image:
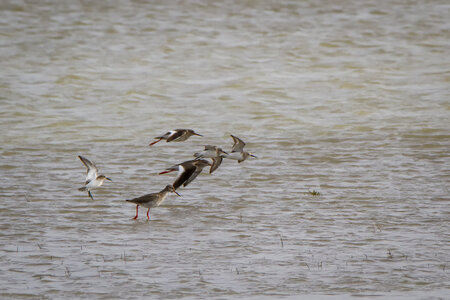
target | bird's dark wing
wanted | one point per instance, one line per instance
(216, 163)
(176, 135)
(184, 176)
(238, 145)
(193, 176)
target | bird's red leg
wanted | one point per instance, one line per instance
(148, 217)
(151, 144)
(165, 172)
(136, 212)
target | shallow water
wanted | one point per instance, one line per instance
(347, 99)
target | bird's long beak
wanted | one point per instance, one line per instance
(108, 178)
(253, 156)
(195, 133)
(177, 193)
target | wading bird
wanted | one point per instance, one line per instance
(152, 200)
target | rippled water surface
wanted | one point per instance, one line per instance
(347, 99)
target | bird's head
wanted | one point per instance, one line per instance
(170, 188)
(103, 177)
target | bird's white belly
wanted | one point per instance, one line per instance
(235, 156)
(94, 184)
(207, 154)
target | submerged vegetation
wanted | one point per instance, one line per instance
(314, 193)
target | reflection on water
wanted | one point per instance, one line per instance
(346, 99)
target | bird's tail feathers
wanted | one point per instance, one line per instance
(83, 189)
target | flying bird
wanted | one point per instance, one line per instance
(237, 151)
(214, 153)
(187, 171)
(177, 135)
(93, 180)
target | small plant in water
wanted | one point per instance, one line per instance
(68, 273)
(389, 253)
(314, 193)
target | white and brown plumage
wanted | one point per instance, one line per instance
(237, 151)
(214, 153)
(177, 135)
(93, 180)
(187, 171)
(152, 200)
